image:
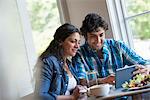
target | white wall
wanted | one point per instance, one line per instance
(15, 64)
(78, 9)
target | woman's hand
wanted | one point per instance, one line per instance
(141, 69)
(82, 89)
(83, 82)
(78, 89)
(76, 93)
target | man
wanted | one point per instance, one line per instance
(103, 55)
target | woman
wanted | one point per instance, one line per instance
(57, 78)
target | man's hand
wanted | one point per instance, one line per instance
(140, 69)
(109, 79)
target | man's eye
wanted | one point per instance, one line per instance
(101, 35)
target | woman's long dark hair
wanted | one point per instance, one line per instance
(60, 35)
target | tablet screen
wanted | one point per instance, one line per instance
(123, 74)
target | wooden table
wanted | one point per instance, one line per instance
(136, 94)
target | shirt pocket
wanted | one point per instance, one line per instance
(57, 83)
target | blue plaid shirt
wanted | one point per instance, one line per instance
(115, 53)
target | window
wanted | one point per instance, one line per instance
(44, 18)
(137, 21)
(132, 17)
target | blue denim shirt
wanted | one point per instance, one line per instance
(53, 78)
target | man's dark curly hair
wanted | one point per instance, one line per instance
(91, 22)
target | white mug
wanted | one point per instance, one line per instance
(100, 90)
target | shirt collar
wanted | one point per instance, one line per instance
(105, 48)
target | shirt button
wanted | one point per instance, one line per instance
(66, 84)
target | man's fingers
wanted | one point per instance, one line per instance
(141, 71)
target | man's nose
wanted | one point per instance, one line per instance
(98, 39)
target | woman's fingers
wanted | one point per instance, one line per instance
(82, 89)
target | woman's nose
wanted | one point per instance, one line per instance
(77, 45)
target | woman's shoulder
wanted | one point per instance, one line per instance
(50, 59)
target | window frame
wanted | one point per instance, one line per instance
(118, 24)
(28, 43)
(119, 20)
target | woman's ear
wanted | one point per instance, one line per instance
(60, 43)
